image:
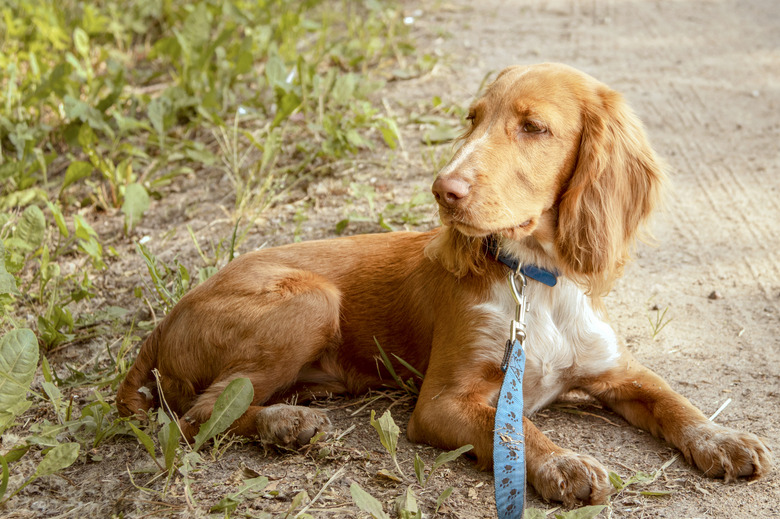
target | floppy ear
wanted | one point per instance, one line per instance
(615, 185)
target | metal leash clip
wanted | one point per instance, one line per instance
(517, 325)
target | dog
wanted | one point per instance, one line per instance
(554, 168)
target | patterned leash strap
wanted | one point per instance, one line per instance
(508, 438)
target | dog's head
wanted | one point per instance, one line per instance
(556, 160)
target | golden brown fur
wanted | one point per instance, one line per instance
(555, 165)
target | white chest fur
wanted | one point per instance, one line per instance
(566, 339)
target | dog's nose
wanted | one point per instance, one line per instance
(449, 191)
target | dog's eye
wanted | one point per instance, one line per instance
(532, 127)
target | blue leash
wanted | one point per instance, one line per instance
(508, 438)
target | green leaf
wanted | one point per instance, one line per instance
(76, 171)
(388, 431)
(419, 469)
(55, 396)
(81, 42)
(60, 457)
(534, 513)
(226, 504)
(16, 453)
(7, 280)
(59, 219)
(18, 361)
(135, 205)
(367, 502)
(641, 477)
(231, 404)
(296, 502)
(586, 512)
(443, 497)
(197, 30)
(616, 481)
(4, 477)
(30, 229)
(446, 457)
(169, 436)
(275, 71)
(406, 506)
(145, 440)
(655, 493)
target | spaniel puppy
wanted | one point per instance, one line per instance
(555, 168)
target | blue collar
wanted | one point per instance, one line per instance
(547, 277)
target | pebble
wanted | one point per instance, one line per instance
(715, 295)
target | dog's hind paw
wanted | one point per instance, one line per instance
(290, 425)
(571, 477)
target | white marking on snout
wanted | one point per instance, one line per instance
(463, 155)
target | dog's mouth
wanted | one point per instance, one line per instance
(513, 233)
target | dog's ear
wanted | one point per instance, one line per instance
(614, 187)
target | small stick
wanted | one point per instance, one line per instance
(331, 480)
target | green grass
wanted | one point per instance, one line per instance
(104, 106)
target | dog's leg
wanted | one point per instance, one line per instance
(278, 424)
(284, 322)
(646, 400)
(449, 415)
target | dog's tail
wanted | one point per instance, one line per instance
(136, 393)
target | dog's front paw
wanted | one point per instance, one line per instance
(722, 452)
(571, 477)
(290, 425)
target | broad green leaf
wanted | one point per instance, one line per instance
(419, 469)
(197, 30)
(76, 171)
(60, 457)
(406, 506)
(275, 71)
(30, 229)
(616, 481)
(18, 360)
(231, 404)
(16, 453)
(534, 513)
(169, 437)
(388, 431)
(446, 457)
(145, 440)
(586, 512)
(367, 502)
(135, 205)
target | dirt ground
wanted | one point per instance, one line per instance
(704, 76)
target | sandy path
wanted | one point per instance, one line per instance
(705, 78)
